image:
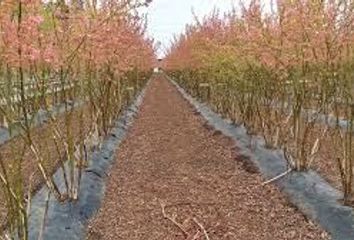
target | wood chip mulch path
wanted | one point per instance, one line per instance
(176, 178)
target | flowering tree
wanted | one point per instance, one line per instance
(277, 72)
(88, 58)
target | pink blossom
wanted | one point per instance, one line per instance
(37, 20)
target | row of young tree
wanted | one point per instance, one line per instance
(87, 58)
(284, 69)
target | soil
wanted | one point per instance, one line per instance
(175, 177)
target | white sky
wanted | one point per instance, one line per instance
(169, 17)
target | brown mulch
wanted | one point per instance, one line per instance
(171, 160)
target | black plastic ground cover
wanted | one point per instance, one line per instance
(308, 191)
(69, 220)
(329, 120)
(39, 118)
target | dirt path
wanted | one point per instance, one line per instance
(172, 158)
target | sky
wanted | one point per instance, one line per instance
(169, 17)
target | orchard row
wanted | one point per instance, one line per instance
(284, 69)
(78, 64)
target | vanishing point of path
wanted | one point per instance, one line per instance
(176, 178)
